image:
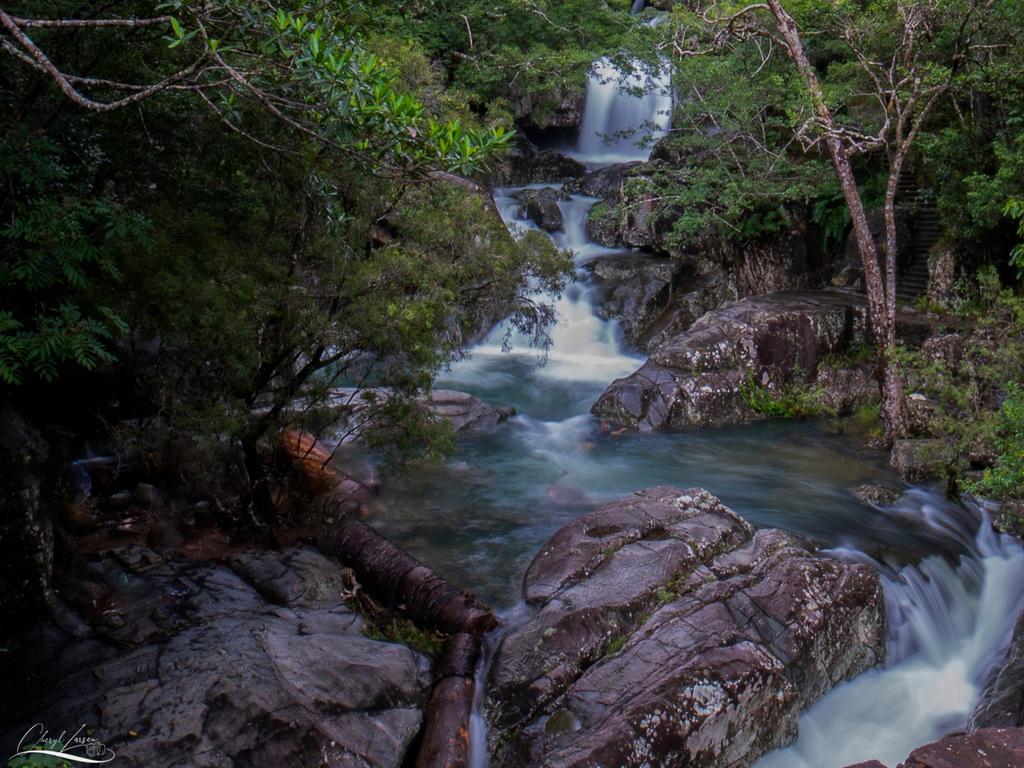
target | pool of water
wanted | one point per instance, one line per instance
(481, 516)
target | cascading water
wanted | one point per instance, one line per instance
(949, 622)
(583, 346)
(952, 587)
(623, 114)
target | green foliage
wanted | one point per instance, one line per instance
(790, 401)
(394, 629)
(966, 374)
(41, 761)
(58, 242)
(1015, 210)
(1006, 478)
(615, 644)
(521, 57)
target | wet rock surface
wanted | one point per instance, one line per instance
(1002, 701)
(253, 663)
(988, 748)
(667, 631)
(695, 378)
(541, 207)
(605, 182)
(634, 289)
(879, 495)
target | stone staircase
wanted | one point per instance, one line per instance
(912, 278)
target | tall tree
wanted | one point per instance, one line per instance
(906, 56)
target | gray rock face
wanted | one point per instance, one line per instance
(634, 289)
(879, 495)
(559, 108)
(526, 164)
(465, 412)
(695, 378)
(654, 298)
(1002, 702)
(667, 631)
(204, 665)
(541, 207)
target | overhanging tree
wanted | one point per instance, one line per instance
(287, 198)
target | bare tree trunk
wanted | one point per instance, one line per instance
(894, 416)
(881, 307)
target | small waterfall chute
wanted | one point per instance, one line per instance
(624, 112)
(949, 621)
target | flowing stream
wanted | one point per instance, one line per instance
(952, 586)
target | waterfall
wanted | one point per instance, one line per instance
(624, 112)
(949, 623)
(584, 347)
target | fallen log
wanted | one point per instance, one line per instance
(446, 732)
(391, 575)
(404, 584)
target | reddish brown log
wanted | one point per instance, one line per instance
(391, 575)
(446, 733)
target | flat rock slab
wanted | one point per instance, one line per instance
(668, 631)
(255, 663)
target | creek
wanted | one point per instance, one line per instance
(952, 586)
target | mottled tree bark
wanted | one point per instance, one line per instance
(881, 304)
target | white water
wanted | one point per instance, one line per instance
(624, 113)
(948, 626)
(583, 346)
(949, 616)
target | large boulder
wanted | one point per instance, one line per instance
(697, 377)
(633, 288)
(654, 298)
(1002, 702)
(667, 631)
(526, 164)
(256, 664)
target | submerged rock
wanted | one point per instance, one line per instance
(880, 495)
(696, 377)
(667, 631)
(203, 665)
